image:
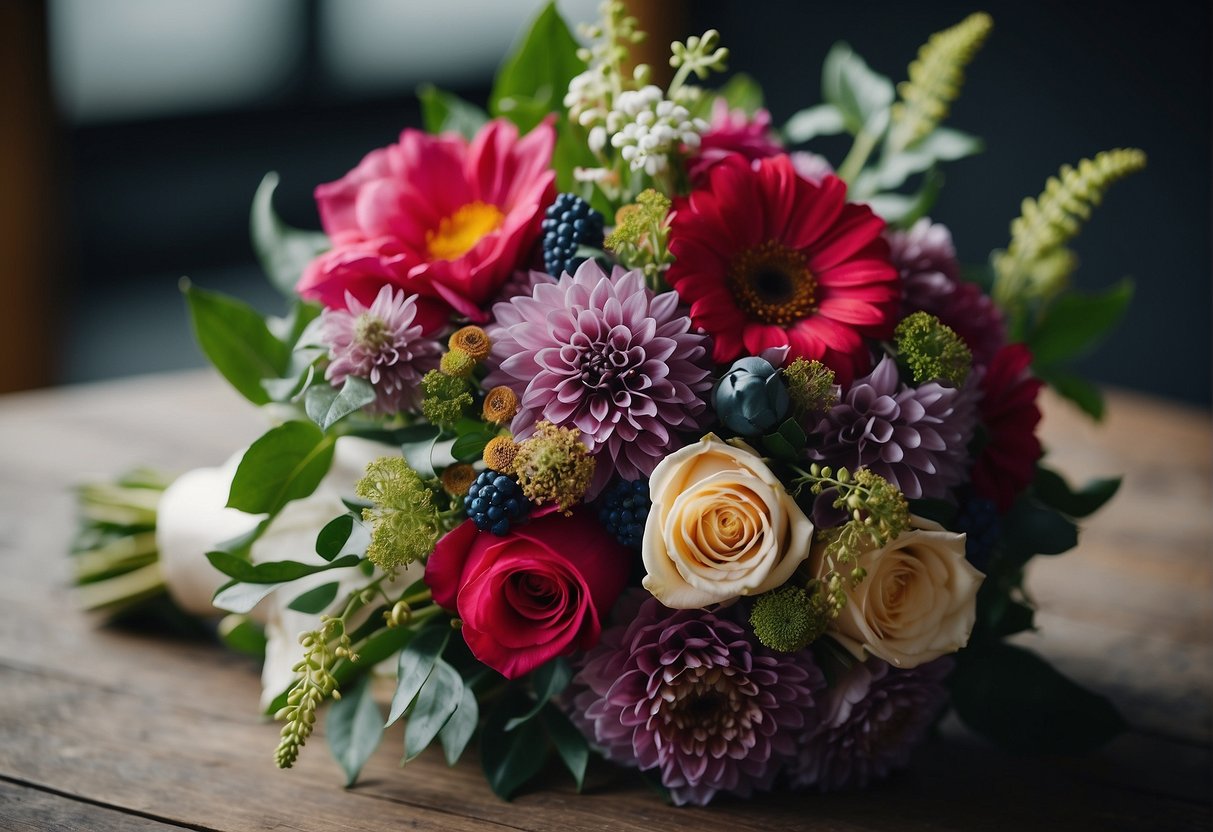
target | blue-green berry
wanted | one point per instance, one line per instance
(495, 503)
(751, 399)
(569, 223)
(623, 509)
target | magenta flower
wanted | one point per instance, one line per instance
(872, 719)
(607, 356)
(437, 216)
(733, 131)
(381, 344)
(917, 438)
(688, 693)
(931, 282)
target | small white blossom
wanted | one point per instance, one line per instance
(647, 128)
(587, 96)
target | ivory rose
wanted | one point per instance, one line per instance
(918, 601)
(722, 525)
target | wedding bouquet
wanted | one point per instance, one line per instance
(614, 422)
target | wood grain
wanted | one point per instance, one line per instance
(105, 728)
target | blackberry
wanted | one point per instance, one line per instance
(623, 509)
(978, 519)
(494, 502)
(568, 223)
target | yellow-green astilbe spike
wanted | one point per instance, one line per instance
(935, 79)
(1036, 265)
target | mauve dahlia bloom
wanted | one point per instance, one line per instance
(438, 216)
(916, 438)
(871, 720)
(931, 282)
(607, 356)
(381, 344)
(733, 131)
(689, 693)
(766, 258)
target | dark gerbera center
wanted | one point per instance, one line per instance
(772, 284)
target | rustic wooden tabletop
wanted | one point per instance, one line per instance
(107, 729)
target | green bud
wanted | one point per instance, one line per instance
(787, 619)
(932, 350)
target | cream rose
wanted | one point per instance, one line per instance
(722, 525)
(918, 601)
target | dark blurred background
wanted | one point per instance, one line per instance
(134, 133)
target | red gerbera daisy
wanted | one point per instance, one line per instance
(1009, 413)
(768, 259)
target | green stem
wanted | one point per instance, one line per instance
(864, 144)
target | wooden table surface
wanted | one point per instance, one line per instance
(106, 729)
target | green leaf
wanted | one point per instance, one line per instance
(863, 97)
(942, 145)
(458, 731)
(1078, 390)
(548, 680)
(315, 601)
(414, 667)
(1051, 489)
(511, 758)
(806, 125)
(794, 433)
(243, 635)
(902, 210)
(354, 728)
(437, 701)
(239, 597)
(533, 80)
(470, 447)
(326, 406)
(444, 112)
(742, 92)
(283, 251)
(570, 743)
(274, 571)
(1018, 701)
(285, 464)
(418, 449)
(1076, 322)
(779, 447)
(1033, 529)
(333, 536)
(234, 338)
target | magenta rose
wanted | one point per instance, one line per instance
(437, 216)
(539, 592)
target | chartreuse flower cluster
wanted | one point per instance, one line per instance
(641, 239)
(447, 389)
(405, 522)
(811, 387)
(932, 350)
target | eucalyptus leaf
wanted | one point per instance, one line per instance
(1075, 323)
(354, 728)
(418, 452)
(862, 97)
(806, 125)
(902, 211)
(326, 406)
(548, 680)
(511, 758)
(458, 731)
(285, 464)
(941, 145)
(243, 635)
(316, 601)
(470, 447)
(570, 743)
(445, 112)
(742, 92)
(437, 702)
(275, 571)
(235, 338)
(1018, 701)
(333, 536)
(1051, 489)
(284, 251)
(1081, 392)
(414, 666)
(239, 597)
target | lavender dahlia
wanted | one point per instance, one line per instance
(605, 355)
(871, 720)
(916, 438)
(689, 693)
(381, 344)
(931, 282)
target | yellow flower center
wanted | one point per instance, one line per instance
(772, 284)
(458, 233)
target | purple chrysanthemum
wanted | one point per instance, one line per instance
(689, 693)
(380, 344)
(916, 438)
(605, 355)
(931, 282)
(871, 720)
